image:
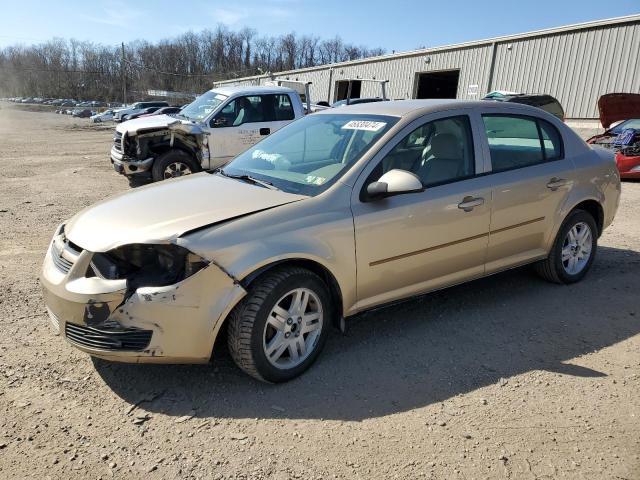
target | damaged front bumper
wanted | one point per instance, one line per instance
(171, 324)
(129, 166)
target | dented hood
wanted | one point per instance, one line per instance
(614, 107)
(154, 122)
(164, 211)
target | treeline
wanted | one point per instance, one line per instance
(188, 63)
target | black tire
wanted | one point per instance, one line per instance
(552, 268)
(248, 319)
(174, 156)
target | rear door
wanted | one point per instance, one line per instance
(531, 179)
(245, 121)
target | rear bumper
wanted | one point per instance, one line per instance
(172, 324)
(128, 166)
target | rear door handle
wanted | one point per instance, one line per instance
(556, 183)
(468, 203)
(265, 131)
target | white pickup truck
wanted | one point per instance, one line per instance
(206, 134)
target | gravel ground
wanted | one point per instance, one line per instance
(505, 377)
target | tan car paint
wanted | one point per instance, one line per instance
(376, 251)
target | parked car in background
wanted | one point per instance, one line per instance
(163, 111)
(105, 116)
(355, 101)
(206, 134)
(83, 113)
(624, 138)
(137, 108)
(131, 116)
(414, 196)
(543, 101)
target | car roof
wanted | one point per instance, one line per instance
(260, 89)
(402, 108)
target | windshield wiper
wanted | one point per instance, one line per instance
(247, 178)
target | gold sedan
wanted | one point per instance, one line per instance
(339, 212)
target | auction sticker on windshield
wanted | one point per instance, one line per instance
(367, 125)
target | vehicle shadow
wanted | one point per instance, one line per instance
(417, 353)
(139, 181)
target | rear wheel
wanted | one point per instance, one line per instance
(174, 163)
(279, 329)
(573, 251)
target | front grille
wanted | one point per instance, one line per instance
(117, 141)
(120, 340)
(63, 264)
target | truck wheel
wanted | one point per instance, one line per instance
(573, 250)
(174, 163)
(280, 327)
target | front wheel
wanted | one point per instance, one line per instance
(279, 329)
(174, 163)
(573, 251)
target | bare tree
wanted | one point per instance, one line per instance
(190, 62)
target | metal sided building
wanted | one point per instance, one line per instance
(576, 64)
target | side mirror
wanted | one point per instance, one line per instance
(394, 182)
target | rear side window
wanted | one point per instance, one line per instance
(520, 141)
(282, 108)
(551, 141)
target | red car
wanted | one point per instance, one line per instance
(624, 138)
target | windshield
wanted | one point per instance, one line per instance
(633, 123)
(309, 155)
(202, 106)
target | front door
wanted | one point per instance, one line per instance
(245, 121)
(413, 243)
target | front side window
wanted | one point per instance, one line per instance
(438, 152)
(240, 111)
(309, 155)
(518, 141)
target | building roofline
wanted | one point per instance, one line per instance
(474, 43)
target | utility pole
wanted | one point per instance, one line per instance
(124, 78)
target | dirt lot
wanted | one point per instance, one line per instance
(506, 377)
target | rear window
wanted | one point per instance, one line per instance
(520, 141)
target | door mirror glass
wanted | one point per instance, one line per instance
(394, 182)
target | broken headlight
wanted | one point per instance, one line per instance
(145, 265)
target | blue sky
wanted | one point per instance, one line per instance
(391, 24)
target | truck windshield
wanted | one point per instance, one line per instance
(202, 106)
(310, 154)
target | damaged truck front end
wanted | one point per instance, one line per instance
(137, 303)
(134, 152)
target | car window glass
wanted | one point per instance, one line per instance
(242, 110)
(438, 152)
(309, 154)
(519, 141)
(513, 142)
(551, 141)
(283, 109)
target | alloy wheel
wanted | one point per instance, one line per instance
(576, 248)
(293, 328)
(176, 169)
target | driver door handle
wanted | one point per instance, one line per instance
(265, 131)
(556, 183)
(468, 203)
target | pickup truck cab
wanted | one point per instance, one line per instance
(206, 134)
